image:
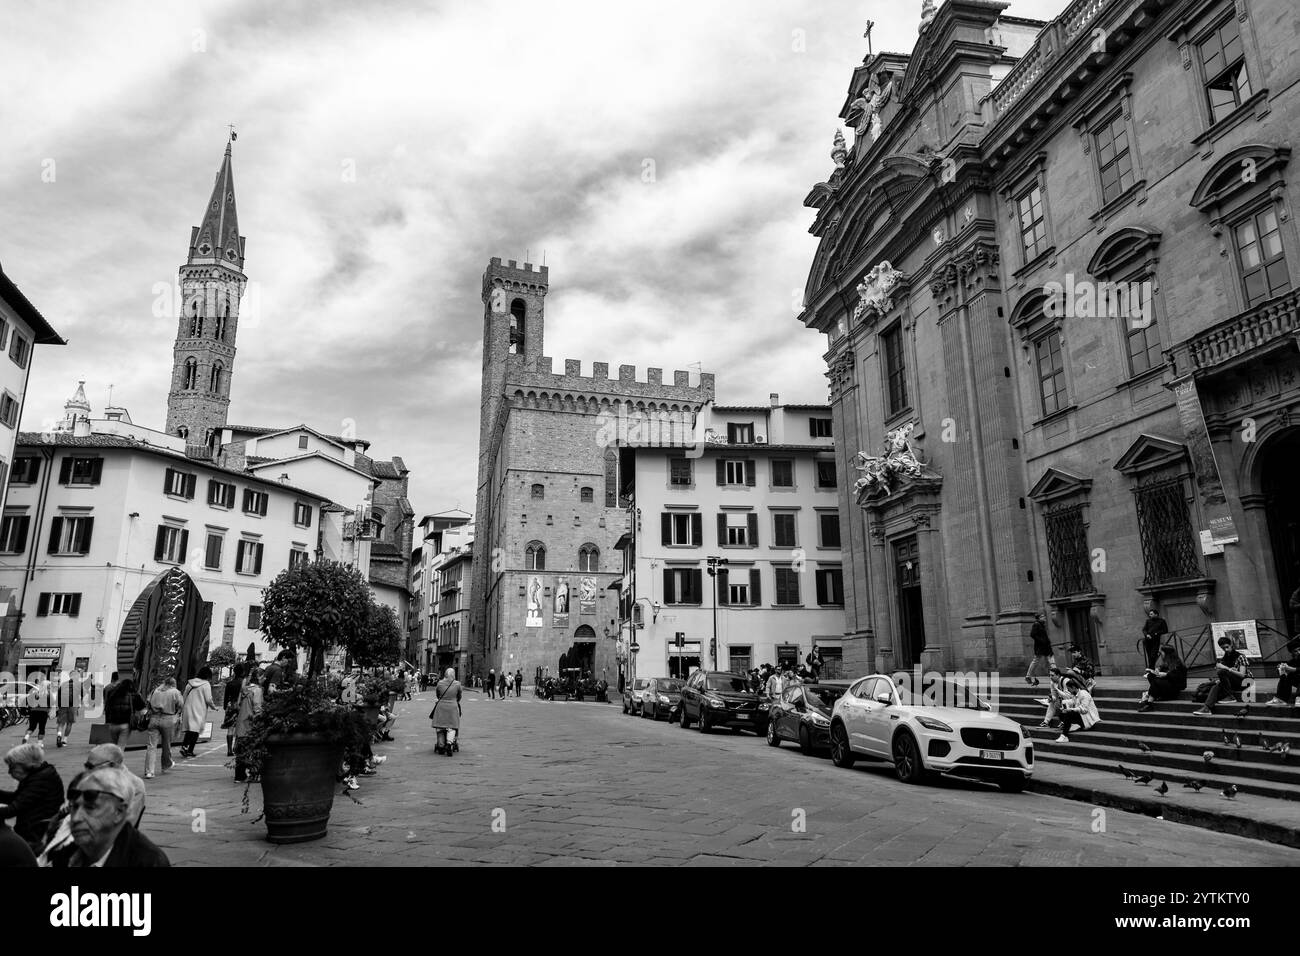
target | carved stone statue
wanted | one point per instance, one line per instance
(875, 291)
(881, 473)
(839, 151)
(928, 11)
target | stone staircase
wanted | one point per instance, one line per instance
(1177, 740)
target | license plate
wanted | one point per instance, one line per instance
(991, 754)
(741, 716)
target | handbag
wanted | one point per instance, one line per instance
(1202, 692)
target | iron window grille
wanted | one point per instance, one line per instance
(1165, 526)
(1067, 550)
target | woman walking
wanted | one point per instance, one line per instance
(38, 710)
(250, 705)
(121, 702)
(198, 701)
(230, 703)
(69, 708)
(445, 715)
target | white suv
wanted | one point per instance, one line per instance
(881, 720)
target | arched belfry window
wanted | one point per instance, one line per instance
(589, 558)
(219, 325)
(191, 377)
(535, 556)
(217, 369)
(518, 310)
(182, 432)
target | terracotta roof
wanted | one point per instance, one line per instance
(11, 294)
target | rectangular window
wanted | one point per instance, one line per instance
(1113, 158)
(302, 441)
(819, 428)
(221, 494)
(1169, 545)
(302, 514)
(825, 474)
(1067, 550)
(48, 603)
(787, 586)
(739, 658)
(737, 593)
(4, 330)
(683, 529)
(740, 434)
(212, 553)
(13, 533)
(26, 469)
(19, 350)
(679, 472)
(737, 529)
(255, 502)
(735, 472)
(1141, 334)
(683, 586)
(171, 544)
(297, 557)
(1259, 252)
(248, 558)
(254, 617)
(179, 483)
(1227, 84)
(830, 587)
(81, 471)
(782, 473)
(783, 530)
(1051, 372)
(70, 534)
(9, 407)
(891, 345)
(1033, 227)
(829, 524)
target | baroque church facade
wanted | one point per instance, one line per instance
(1057, 277)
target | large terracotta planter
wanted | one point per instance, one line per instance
(298, 779)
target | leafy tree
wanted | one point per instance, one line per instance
(222, 656)
(316, 606)
(380, 642)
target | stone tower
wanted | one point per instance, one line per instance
(212, 286)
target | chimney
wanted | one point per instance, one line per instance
(774, 399)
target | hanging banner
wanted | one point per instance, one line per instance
(534, 618)
(586, 595)
(560, 616)
(1214, 504)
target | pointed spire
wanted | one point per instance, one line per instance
(78, 399)
(217, 236)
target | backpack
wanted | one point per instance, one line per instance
(1202, 692)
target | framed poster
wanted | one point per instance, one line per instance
(1243, 634)
(587, 595)
(534, 618)
(560, 615)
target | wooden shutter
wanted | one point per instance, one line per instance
(213, 556)
(722, 471)
(160, 543)
(812, 428)
(183, 549)
(821, 587)
(265, 501)
(723, 597)
(755, 587)
(722, 529)
(76, 605)
(239, 556)
(22, 523)
(56, 530)
(190, 481)
(697, 529)
(65, 471)
(749, 472)
(228, 495)
(696, 577)
(306, 510)
(670, 595)
(666, 523)
(87, 528)
(257, 558)
(167, 481)
(212, 492)
(96, 470)
(248, 499)
(753, 529)
(43, 604)
(731, 434)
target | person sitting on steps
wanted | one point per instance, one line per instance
(1288, 677)
(1077, 709)
(1230, 673)
(1166, 680)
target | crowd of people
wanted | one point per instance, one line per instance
(499, 684)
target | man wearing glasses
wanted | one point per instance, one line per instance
(100, 824)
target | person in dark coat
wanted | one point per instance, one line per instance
(38, 796)
(14, 850)
(100, 827)
(230, 704)
(1166, 680)
(445, 716)
(1153, 631)
(1042, 650)
(120, 702)
(519, 683)
(1288, 677)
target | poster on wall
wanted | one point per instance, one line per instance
(560, 616)
(1214, 504)
(1243, 634)
(586, 595)
(534, 618)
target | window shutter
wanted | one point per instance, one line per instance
(212, 492)
(670, 596)
(753, 529)
(96, 471)
(722, 471)
(167, 480)
(248, 498)
(160, 542)
(190, 482)
(697, 585)
(262, 509)
(731, 434)
(228, 495)
(749, 472)
(755, 587)
(724, 598)
(56, 530)
(821, 588)
(65, 471)
(697, 529)
(666, 522)
(722, 529)
(24, 522)
(76, 605)
(83, 540)
(257, 558)
(239, 557)
(183, 551)
(306, 510)
(43, 604)
(812, 428)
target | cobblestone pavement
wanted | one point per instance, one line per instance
(582, 784)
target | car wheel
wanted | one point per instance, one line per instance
(773, 739)
(625, 710)
(644, 715)
(907, 759)
(841, 753)
(686, 721)
(805, 741)
(1014, 783)
(704, 721)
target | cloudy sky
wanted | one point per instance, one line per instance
(657, 154)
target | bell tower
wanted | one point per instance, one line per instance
(212, 285)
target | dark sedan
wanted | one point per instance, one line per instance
(803, 714)
(662, 698)
(718, 699)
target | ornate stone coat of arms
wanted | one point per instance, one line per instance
(882, 474)
(876, 290)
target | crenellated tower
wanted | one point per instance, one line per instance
(212, 285)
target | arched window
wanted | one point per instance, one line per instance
(182, 432)
(589, 558)
(216, 377)
(377, 523)
(535, 556)
(191, 373)
(586, 495)
(219, 326)
(517, 312)
(539, 492)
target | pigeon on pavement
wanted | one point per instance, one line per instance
(1226, 739)
(1143, 747)
(1230, 791)
(1243, 713)
(1208, 756)
(1163, 788)
(1236, 741)
(1128, 774)
(1194, 785)
(1143, 778)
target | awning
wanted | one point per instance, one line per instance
(42, 653)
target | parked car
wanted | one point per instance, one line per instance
(663, 698)
(634, 695)
(803, 714)
(881, 720)
(719, 699)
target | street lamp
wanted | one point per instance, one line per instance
(714, 562)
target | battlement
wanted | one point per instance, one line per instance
(512, 265)
(521, 374)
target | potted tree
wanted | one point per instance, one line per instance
(378, 644)
(298, 741)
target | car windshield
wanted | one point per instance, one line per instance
(641, 685)
(727, 682)
(946, 693)
(669, 687)
(824, 697)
